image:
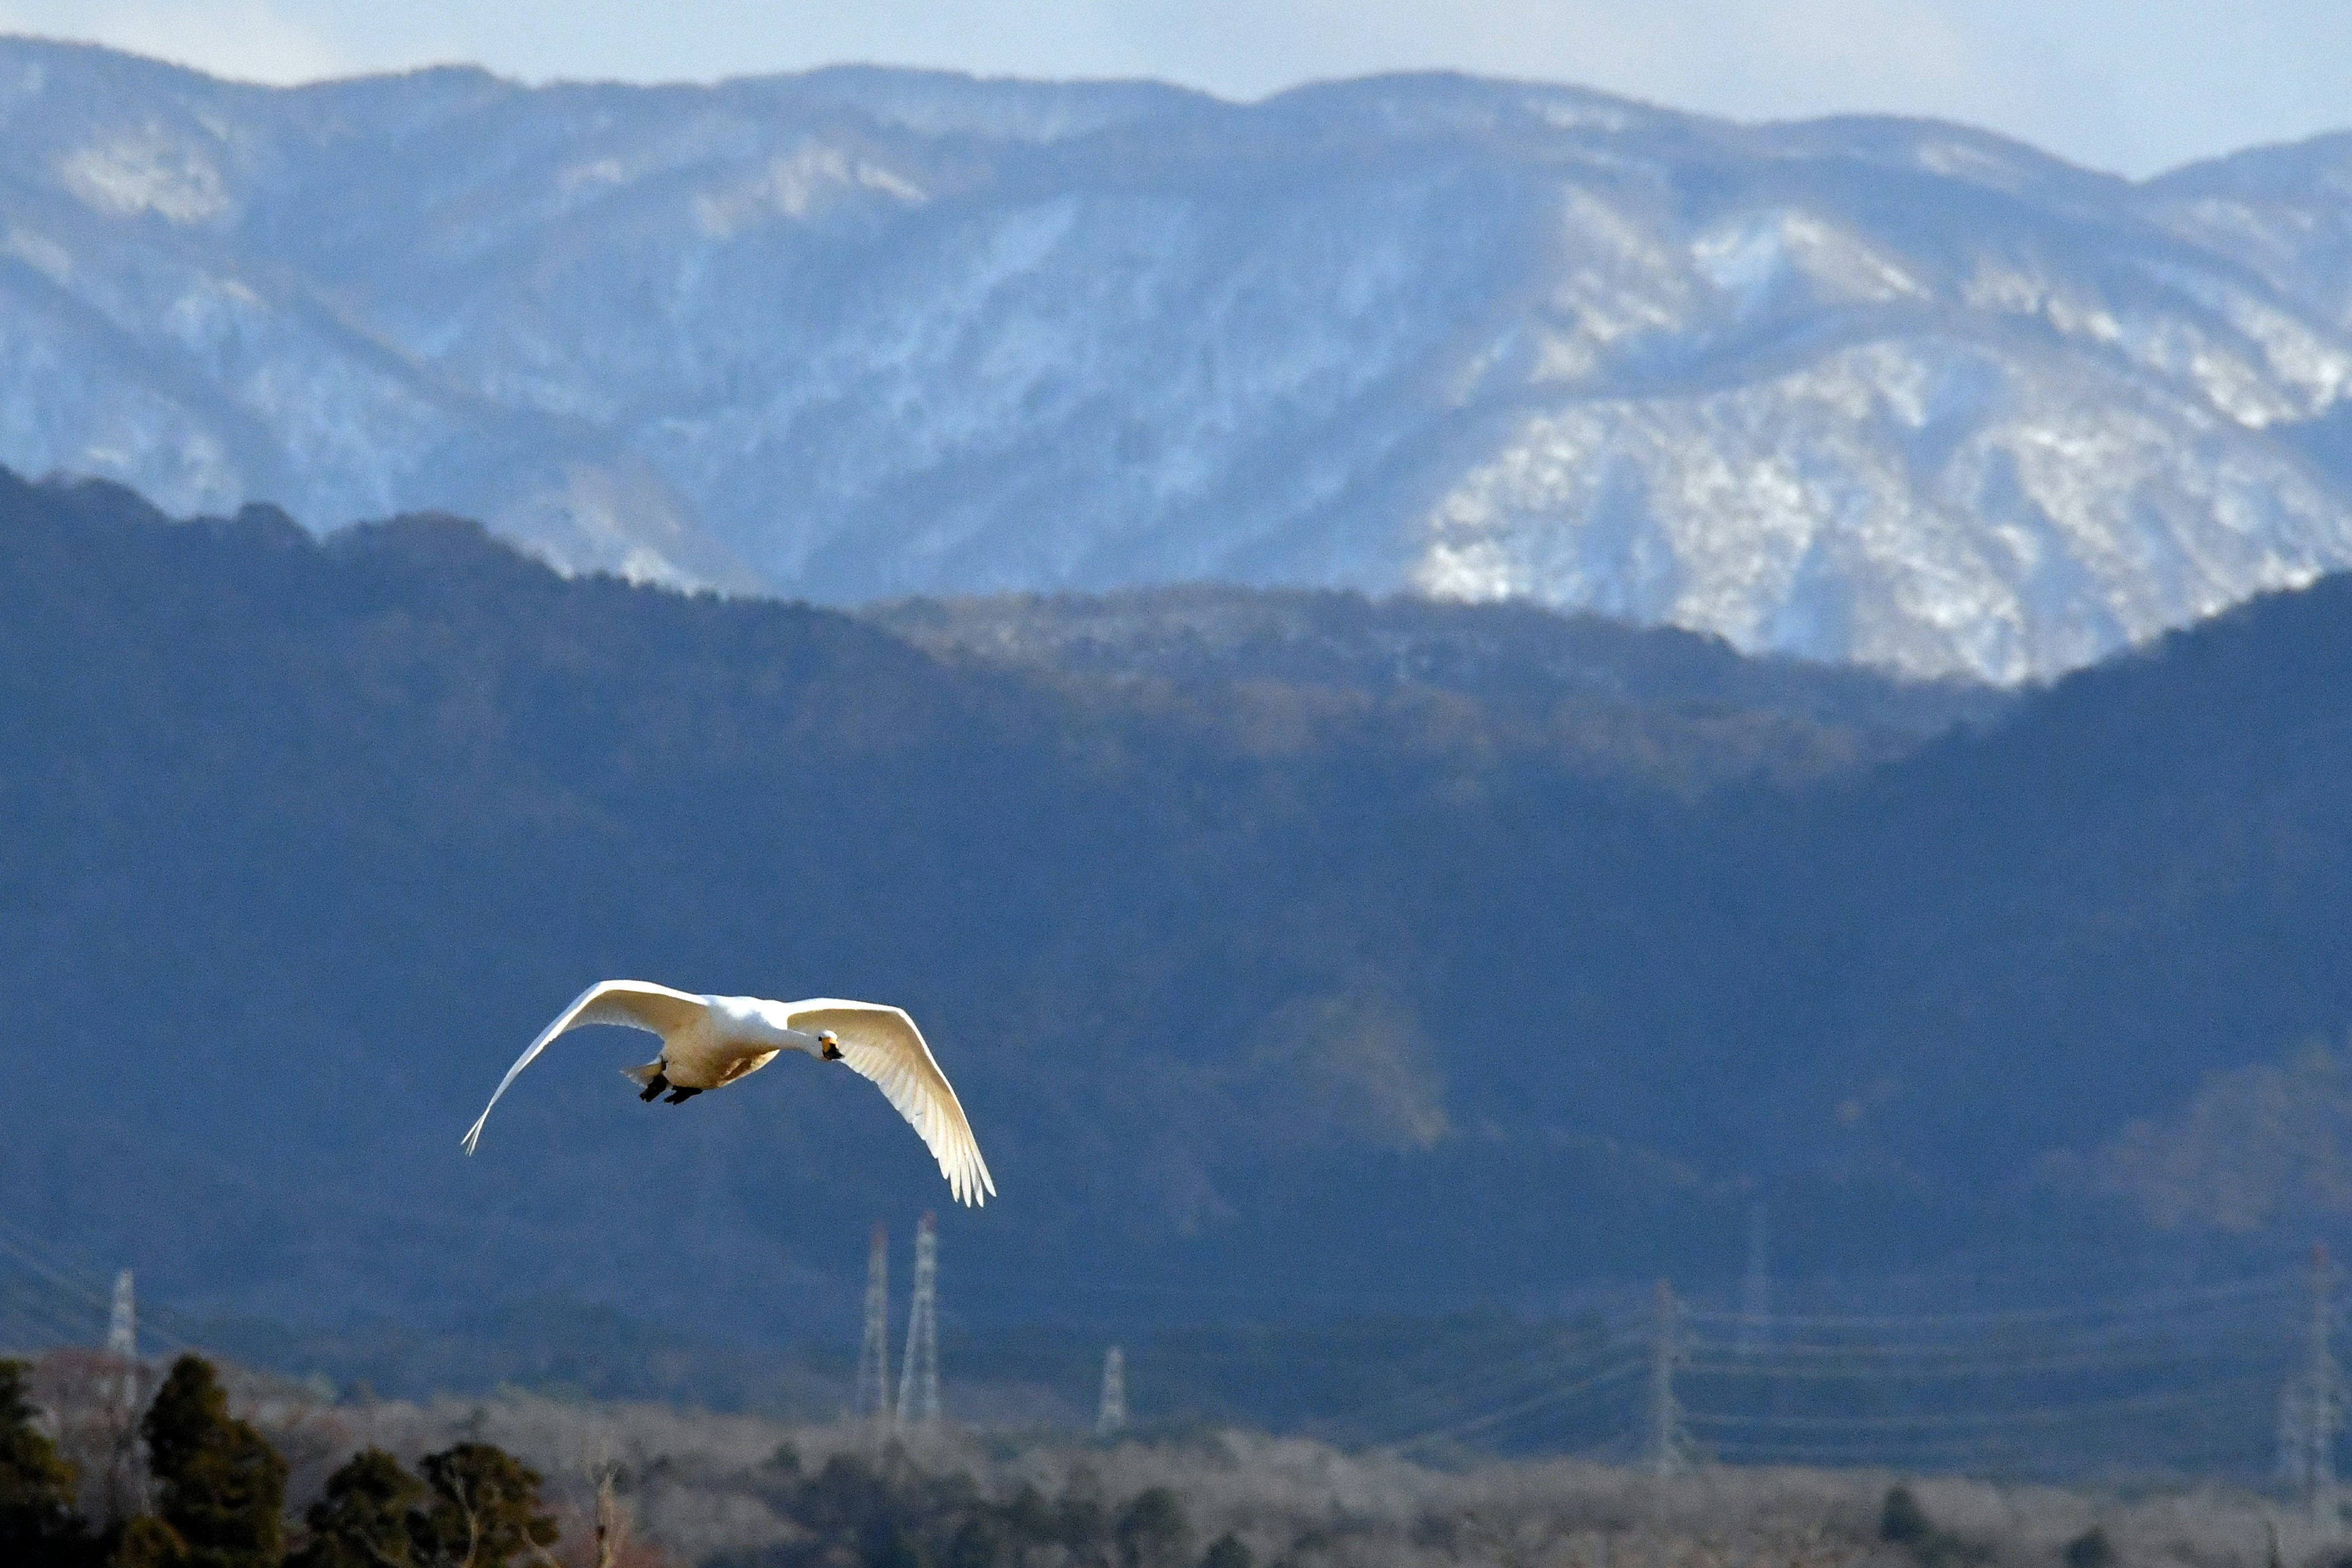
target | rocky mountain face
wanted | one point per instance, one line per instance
(1864, 389)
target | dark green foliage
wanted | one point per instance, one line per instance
(1152, 1530)
(364, 1519)
(1517, 655)
(883, 1510)
(1227, 1552)
(476, 1507)
(220, 1486)
(39, 1525)
(482, 1509)
(1901, 1521)
(146, 1541)
(2092, 1549)
(895, 1549)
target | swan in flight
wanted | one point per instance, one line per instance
(708, 1042)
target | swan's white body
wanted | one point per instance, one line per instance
(708, 1042)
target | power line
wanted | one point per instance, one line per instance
(1667, 1443)
(2243, 1290)
(1110, 1413)
(1550, 1396)
(2085, 1413)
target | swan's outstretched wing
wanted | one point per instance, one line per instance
(633, 1004)
(883, 1043)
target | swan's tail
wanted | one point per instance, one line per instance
(643, 1075)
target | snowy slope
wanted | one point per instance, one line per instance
(1871, 389)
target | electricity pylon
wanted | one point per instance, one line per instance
(1755, 1290)
(124, 1490)
(122, 1339)
(2319, 1405)
(1668, 1446)
(1111, 1416)
(873, 1396)
(919, 1378)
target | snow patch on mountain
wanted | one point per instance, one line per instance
(1863, 389)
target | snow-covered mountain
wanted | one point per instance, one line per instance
(1884, 390)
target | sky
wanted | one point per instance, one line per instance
(2130, 86)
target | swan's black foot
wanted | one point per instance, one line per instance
(655, 1087)
(680, 1096)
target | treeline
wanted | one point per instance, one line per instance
(1514, 654)
(217, 1490)
(885, 1511)
(212, 1492)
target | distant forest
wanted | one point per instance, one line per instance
(1270, 1001)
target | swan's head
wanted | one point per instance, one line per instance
(832, 1044)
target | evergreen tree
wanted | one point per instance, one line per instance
(1151, 1529)
(147, 1542)
(367, 1517)
(220, 1487)
(39, 1526)
(483, 1510)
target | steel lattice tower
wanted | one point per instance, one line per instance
(1755, 1290)
(2319, 1404)
(873, 1396)
(2293, 1441)
(1667, 1445)
(918, 1376)
(1111, 1416)
(125, 1488)
(122, 1341)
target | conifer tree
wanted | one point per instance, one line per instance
(366, 1518)
(147, 1542)
(220, 1487)
(483, 1512)
(39, 1526)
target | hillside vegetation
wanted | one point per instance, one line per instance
(665, 1487)
(1267, 1001)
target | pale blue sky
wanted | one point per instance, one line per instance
(2129, 85)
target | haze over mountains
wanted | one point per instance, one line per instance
(1880, 390)
(1272, 999)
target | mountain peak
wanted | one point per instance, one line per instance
(1858, 389)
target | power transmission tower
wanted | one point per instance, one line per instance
(1755, 1290)
(122, 1339)
(2293, 1448)
(873, 1396)
(1111, 1416)
(2319, 1402)
(919, 1378)
(124, 1490)
(1667, 1445)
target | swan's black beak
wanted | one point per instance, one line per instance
(832, 1052)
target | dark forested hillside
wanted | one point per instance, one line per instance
(1514, 654)
(1265, 1001)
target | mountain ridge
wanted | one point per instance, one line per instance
(1893, 392)
(1403, 1001)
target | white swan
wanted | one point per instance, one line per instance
(708, 1042)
